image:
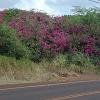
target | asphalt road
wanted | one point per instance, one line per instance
(82, 90)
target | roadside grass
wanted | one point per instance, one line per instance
(25, 70)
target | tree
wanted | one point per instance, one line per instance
(95, 1)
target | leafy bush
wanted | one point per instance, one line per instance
(89, 17)
(10, 44)
(78, 59)
(81, 60)
(10, 14)
(59, 61)
(36, 54)
(95, 60)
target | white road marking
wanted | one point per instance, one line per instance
(76, 95)
(55, 84)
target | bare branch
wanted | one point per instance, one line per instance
(96, 1)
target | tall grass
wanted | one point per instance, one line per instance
(24, 69)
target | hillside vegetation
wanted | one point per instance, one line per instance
(36, 46)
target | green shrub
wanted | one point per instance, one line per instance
(95, 59)
(89, 17)
(68, 59)
(60, 60)
(36, 51)
(10, 14)
(78, 59)
(81, 60)
(10, 44)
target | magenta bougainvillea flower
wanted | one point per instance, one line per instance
(2, 14)
(56, 41)
(90, 45)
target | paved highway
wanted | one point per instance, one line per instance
(81, 90)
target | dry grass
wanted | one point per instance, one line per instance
(17, 71)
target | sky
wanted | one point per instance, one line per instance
(52, 7)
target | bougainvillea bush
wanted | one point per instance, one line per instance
(55, 42)
(44, 36)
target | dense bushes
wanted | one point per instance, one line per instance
(35, 35)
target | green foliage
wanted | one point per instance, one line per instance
(79, 10)
(35, 48)
(36, 53)
(78, 59)
(60, 60)
(10, 44)
(81, 60)
(10, 13)
(95, 60)
(84, 11)
(4, 61)
(72, 20)
(90, 17)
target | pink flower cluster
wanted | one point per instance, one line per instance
(21, 25)
(90, 46)
(76, 29)
(56, 41)
(29, 23)
(2, 14)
